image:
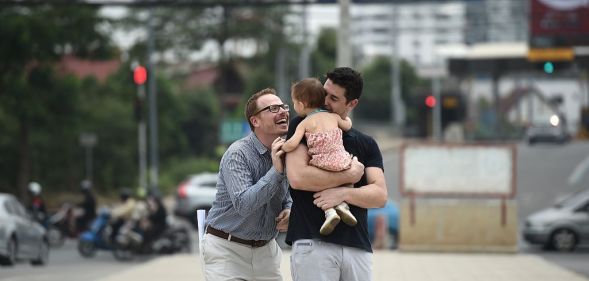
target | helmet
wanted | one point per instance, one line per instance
(125, 194)
(35, 188)
(86, 185)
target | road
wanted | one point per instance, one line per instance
(66, 264)
(543, 171)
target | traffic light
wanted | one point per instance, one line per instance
(548, 67)
(139, 75)
(430, 101)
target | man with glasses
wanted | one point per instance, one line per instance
(252, 202)
(345, 254)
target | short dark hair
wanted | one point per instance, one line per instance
(348, 79)
(251, 107)
(310, 92)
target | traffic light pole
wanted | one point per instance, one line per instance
(437, 110)
(142, 139)
(153, 127)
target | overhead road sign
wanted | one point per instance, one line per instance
(551, 54)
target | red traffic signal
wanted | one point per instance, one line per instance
(430, 101)
(139, 75)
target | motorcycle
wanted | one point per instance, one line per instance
(97, 237)
(130, 242)
(62, 225)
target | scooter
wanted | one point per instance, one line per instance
(97, 237)
(61, 225)
(130, 242)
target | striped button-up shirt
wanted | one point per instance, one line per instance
(250, 192)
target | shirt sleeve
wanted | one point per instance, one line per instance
(247, 195)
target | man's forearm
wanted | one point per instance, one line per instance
(303, 176)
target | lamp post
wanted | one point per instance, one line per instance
(88, 140)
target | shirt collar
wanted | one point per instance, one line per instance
(257, 143)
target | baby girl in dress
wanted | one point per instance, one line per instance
(323, 131)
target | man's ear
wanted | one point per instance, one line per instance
(255, 121)
(352, 104)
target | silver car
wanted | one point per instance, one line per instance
(196, 192)
(21, 237)
(560, 227)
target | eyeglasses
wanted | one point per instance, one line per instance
(273, 108)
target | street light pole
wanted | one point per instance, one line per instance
(88, 141)
(153, 127)
(397, 106)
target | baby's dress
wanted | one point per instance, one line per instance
(327, 150)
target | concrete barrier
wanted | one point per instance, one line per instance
(462, 225)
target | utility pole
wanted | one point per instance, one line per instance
(140, 77)
(397, 106)
(305, 52)
(437, 110)
(153, 127)
(344, 48)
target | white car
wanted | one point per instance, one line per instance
(196, 192)
(560, 227)
(554, 130)
(21, 237)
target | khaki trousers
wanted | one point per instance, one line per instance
(225, 260)
(314, 260)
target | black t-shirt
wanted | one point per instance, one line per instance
(306, 218)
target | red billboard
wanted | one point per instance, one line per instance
(559, 23)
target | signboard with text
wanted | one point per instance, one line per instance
(559, 23)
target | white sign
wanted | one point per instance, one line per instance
(458, 169)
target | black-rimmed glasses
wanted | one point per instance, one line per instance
(273, 108)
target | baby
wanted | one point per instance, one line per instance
(323, 131)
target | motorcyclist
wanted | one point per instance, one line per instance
(157, 218)
(122, 212)
(37, 204)
(88, 205)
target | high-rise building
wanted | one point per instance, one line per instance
(496, 21)
(418, 30)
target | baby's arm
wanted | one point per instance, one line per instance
(296, 138)
(344, 124)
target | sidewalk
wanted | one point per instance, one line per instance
(387, 266)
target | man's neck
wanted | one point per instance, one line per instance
(265, 139)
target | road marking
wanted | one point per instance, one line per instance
(579, 171)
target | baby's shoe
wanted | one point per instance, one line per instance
(343, 210)
(331, 220)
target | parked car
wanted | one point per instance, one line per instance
(552, 130)
(560, 227)
(21, 237)
(391, 215)
(196, 192)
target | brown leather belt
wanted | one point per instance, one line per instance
(227, 236)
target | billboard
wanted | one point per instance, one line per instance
(559, 23)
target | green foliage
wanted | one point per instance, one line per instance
(376, 96)
(324, 56)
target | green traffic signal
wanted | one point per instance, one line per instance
(548, 67)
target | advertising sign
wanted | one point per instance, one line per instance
(559, 23)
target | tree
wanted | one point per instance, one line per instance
(376, 96)
(324, 55)
(32, 39)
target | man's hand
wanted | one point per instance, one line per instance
(356, 171)
(282, 220)
(278, 154)
(329, 198)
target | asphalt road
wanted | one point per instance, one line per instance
(65, 264)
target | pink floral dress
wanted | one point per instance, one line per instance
(327, 150)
